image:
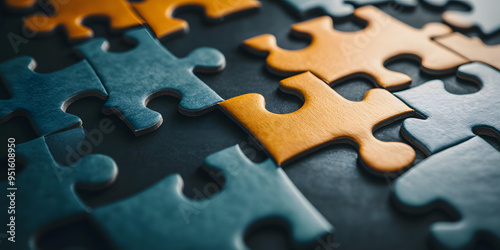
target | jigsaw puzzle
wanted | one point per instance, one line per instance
(464, 177)
(451, 119)
(253, 192)
(134, 77)
(159, 13)
(333, 55)
(45, 97)
(325, 117)
(47, 189)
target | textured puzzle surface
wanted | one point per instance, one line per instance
(252, 192)
(333, 55)
(134, 77)
(325, 116)
(465, 177)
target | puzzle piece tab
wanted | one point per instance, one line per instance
(465, 177)
(452, 118)
(71, 14)
(47, 191)
(45, 97)
(134, 77)
(159, 13)
(325, 117)
(253, 192)
(334, 55)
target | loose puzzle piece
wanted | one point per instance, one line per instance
(159, 13)
(253, 193)
(464, 177)
(20, 4)
(483, 14)
(334, 55)
(472, 48)
(71, 14)
(452, 118)
(325, 116)
(45, 97)
(134, 77)
(47, 191)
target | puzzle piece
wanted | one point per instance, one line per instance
(472, 48)
(451, 118)
(159, 13)
(134, 77)
(325, 116)
(483, 14)
(20, 4)
(252, 192)
(45, 97)
(71, 14)
(465, 177)
(334, 55)
(47, 191)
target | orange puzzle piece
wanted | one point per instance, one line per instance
(325, 116)
(472, 48)
(20, 3)
(71, 14)
(335, 55)
(159, 13)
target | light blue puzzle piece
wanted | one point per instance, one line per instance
(134, 77)
(161, 217)
(465, 177)
(46, 191)
(451, 118)
(45, 97)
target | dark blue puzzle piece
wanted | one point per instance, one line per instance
(134, 77)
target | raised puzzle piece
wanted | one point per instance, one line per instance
(20, 4)
(464, 177)
(71, 14)
(159, 13)
(325, 116)
(253, 193)
(134, 77)
(483, 14)
(334, 55)
(47, 191)
(452, 118)
(45, 97)
(472, 48)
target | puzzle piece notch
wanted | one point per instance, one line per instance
(45, 97)
(134, 77)
(335, 56)
(159, 13)
(325, 117)
(452, 118)
(71, 14)
(465, 177)
(252, 192)
(48, 190)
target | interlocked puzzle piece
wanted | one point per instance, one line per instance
(71, 14)
(134, 77)
(47, 191)
(159, 13)
(20, 4)
(483, 14)
(45, 97)
(337, 8)
(472, 48)
(452, 118)
(325, 116)
(334, 55)
(464, 177)
(252, 192)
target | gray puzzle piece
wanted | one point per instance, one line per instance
(134, 77)
(452, 118)
(466, 177)
(45, 97)
(161, 217)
